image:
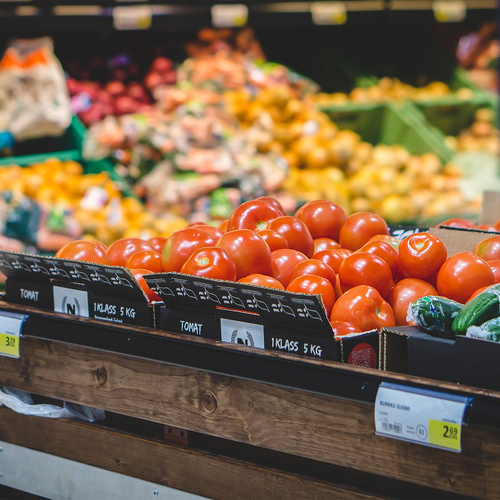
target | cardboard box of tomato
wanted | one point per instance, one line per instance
(257, 316)
(107, 293)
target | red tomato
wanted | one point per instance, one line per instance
(296, 233)
(315, 285)
(213, 231)
(364, 307)
(181, 244)
(421, 255)
(323, 218)
(270, 200)
(477, 292)
(210, 262)
(359, 228)
(146, 259)
(262, 280)
(394, 241)
(223, 225)
(341, 328)
(248, 251)
(495, 267)
(120, 250)
(489, 248)
(321, 244)
(85, 250)
(254, 215)
(457, 222)
(462, 274)
(158, 242)
(316, 267)
(363, 268)
(283, 262)
(405, 292)
(486, 227)
(274, 240)
(386, 252)
(138, 273)
(333, 258)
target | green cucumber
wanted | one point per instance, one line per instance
(481, 308)
(490, 330)
(434, 313)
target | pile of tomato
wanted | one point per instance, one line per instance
(365, 277)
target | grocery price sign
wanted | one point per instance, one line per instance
(229, 15)
(10, 331)
(420, 416)
(324, 13)
(449, 11)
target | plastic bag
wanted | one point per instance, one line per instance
(34, 98)
(490, 330)
(22, 402)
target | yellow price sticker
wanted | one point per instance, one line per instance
(444, 434)
(9, 345)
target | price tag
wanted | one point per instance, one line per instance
(240, 332)
(133, 17)
(229, 16)
(420, 416)
(328, 13)
(449, 11)
(10, 331)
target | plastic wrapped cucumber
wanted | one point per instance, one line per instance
(434, 314)
(490, 330)
(478, 310)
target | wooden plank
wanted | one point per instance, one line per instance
(324, 428)
(173, 466)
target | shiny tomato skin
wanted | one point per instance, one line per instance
(386, 252)
(296, 233)
(146, 259)
(364, 307)
(421, 255)
(283, 262)
(477, 292)
(120, 250)
(181, 244)
(254, 215)
(341, 328)
(321, 244)
(486, 227)
(315, 267)
(223, 225)
(495, 267)
(333, 257)
(457, 222)
(271, 200)
(84, 250)
(262, 280)
(323, 218)
(462, 274)
(405, 292)
(210, 262)
(274, 240)
(315, 285)
(489, 248)
(363, 268)
(394, 241)
(213, 231)
(157, 242)
(139, 273)
(248, 251)
(359, 227)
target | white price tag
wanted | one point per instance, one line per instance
(420, 416)
(328, 13)
(10, 332)
(229, 16)
(133, 17)
(70, 301)
(239, 332)
(449, 11)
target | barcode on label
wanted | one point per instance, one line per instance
(396, 428)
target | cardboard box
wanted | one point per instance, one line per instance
(256, 316)
(108, 293)
(461, 360)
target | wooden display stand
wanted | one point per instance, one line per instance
(265, 439)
